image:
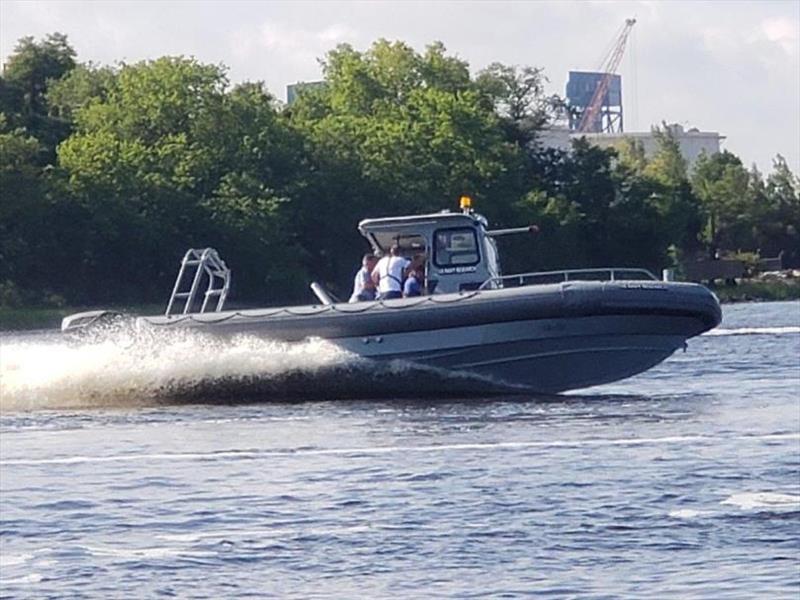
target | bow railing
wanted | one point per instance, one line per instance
(543, 277)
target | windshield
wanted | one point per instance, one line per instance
(456, 247)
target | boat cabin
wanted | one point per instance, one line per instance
(458, 252)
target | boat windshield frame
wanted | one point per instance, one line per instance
(475, 248)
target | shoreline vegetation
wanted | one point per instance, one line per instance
(108, 174)
(758, 290)
(49, 318)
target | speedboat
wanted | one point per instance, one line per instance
(544, 332)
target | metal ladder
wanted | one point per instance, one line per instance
(202, 260)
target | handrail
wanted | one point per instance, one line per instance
(204, 261)
(569, 275)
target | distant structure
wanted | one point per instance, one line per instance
(595, 97)
(581, 88)
(692, 142)
(595, 100)
(294, 89)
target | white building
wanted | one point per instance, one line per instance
(692, 142)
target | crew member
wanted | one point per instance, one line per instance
(413, 285)
(389, 273)
(363, 286)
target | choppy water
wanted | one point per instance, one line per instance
(682, 482)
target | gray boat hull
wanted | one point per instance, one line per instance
(544, 338)
(548, 355)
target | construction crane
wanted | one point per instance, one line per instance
(608, 68)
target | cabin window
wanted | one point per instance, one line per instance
(456, 247)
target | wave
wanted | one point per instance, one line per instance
(128, 367)
(271, 453)
(753, 331)
(755, 502)
(687, 513)
(764, 501)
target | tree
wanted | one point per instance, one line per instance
(517, 95)
(392, 132)
(631, 155)
(720, 182)
(779, 226)
(667, 166)
(664, 180)
(169, 158)
(21, 210)
(76, 89)
(158, 156)
(27, 74)
(33, 65)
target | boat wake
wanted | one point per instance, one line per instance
(125, 367)
(764, 501)
(753, 331)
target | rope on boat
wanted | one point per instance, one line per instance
(315, 311)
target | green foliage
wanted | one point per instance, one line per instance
(668, 166)
(777, 212)
(631, 155)
(721, 184)
(77, 89)
(745, 213)
(22, 209)
(162, 155)
(27, 75)
(518, 97)
(33, 65)
(664, 179)
(754, 290)
(393, 131)
(413, 125)
(169, 158)
(19, 152)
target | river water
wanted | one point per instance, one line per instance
(683, 482)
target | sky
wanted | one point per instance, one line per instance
(731, 67)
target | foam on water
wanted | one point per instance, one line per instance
(31, 578)
(154, 552)
(764, 501)
(271, 454)
(753, 331)
(124, 367)
(747, 502)
(685, 513)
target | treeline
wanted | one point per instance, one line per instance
(108, 174)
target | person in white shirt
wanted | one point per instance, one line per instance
(363, 287)
(389, 274)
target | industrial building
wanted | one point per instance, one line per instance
(595, 111)
(692, 142)
(595, 101)
(581, 89)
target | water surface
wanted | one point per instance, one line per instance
(681, 482)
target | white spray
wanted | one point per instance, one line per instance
(129, 367)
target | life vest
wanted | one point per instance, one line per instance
(390, 273)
